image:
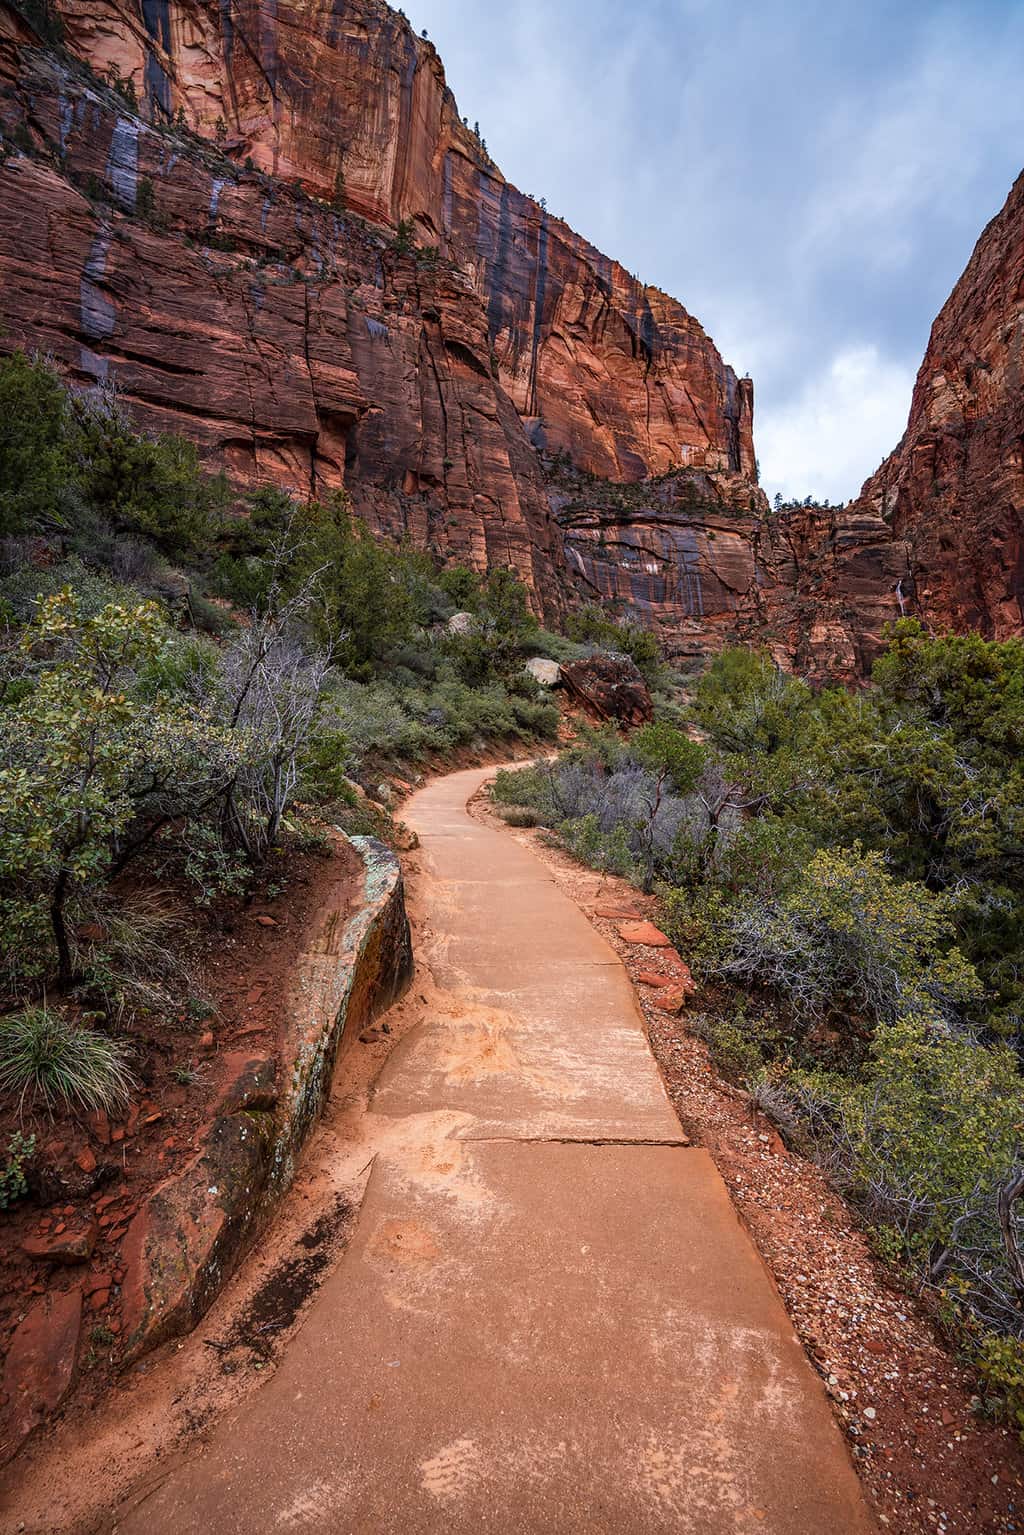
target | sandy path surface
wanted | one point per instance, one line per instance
(548, 1317)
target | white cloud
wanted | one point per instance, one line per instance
(845, 420)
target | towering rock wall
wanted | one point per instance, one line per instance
(954, 488)
(267, 224)
(347, 102)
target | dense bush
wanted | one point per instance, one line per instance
(849, 944)
(89, 767)
(926, 1138)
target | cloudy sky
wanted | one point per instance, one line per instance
(808, 178)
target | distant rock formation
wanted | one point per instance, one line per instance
(954, 488)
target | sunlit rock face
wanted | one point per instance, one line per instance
(276, 236)
(954, 488)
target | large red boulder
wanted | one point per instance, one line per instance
(610, 686)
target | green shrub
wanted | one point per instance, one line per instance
(608, 851)
(1000, 1364)
(748, 705)
(697, 921)
(924, 1137)
(851, 941)
(84, 758)
(664, 749)
(528, 788)
(38, 446)
(13, 1183)
(740, 1045)
(45, 1057)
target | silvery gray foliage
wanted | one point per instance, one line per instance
(266, 687)
(272, 686)
(657, 822)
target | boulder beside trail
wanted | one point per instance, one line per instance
(611, 687)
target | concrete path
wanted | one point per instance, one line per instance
(549, 1319)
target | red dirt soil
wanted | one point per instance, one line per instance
(101, 1170)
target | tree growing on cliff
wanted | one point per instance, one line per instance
(38, 443)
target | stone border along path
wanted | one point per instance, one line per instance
(549, 1317)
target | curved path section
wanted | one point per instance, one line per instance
(549, 1318)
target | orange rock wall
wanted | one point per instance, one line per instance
(346, 100)
(277, 237)
(954, 488)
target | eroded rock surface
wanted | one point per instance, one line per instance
(954, 488)
(609, 687)
(275, 234)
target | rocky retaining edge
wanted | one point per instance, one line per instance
(185, 1242)
(190, 1234)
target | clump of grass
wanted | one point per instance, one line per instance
(46, 1057)
(187, 1074)
(519, 815)
(136, 963)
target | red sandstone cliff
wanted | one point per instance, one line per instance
(954, 488)
(349, 105)
(277, 236)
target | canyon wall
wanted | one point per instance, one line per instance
(954, 488)
(267, 224)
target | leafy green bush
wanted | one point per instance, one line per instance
(740, 1045)
(608, 851)
(37, 445)
(13, 1183)
(850, 941)
(925, 1138)
(45, 1057)
(1000, 1364)
(88, 769)
(697, 921)
(528, 788)
(664, 749)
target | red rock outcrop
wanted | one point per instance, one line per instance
(350, 103)
(954, 488)
(609, 687)
(268, 226)
(700, 558)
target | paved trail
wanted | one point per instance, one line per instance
(549, 1319)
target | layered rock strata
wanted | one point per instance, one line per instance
(267, 225)
(954, 488)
